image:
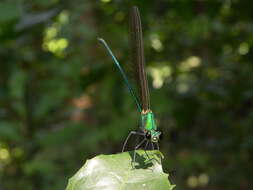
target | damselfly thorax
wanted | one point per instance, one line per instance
(148, 126)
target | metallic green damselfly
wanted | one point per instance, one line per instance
(141, 97)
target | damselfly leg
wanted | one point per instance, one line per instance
(145, 148)
(129, 135)
(138, 146)
(153, 148)
(157, 145)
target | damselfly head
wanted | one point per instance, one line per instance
(155, 136)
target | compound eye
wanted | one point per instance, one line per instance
(155, 139)
(148, 135)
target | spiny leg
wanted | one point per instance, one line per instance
(153, 158)
(146, 145)
(157, 146)
(152, 146)
(129, 135)
(146, 148)
(137, 148)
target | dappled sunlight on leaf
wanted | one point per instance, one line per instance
(243, 48)
(5, 156)
(156, 43)
(189, 63)
(198, 181)
(203, 179)
(192, 181)
(159, 75)
(105, 1)
(52, 42)
(56, 46)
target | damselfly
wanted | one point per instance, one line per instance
(141, 97)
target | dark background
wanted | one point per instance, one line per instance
(62, 100)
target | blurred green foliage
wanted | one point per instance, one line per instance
(62, 100)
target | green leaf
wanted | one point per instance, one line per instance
(62, 135)
(9, 11)
(9, 131)
(17, 84)
(38, 166)
(116, 172)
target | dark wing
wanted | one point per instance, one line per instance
(138, 60)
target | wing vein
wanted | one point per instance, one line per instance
(138, 59)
